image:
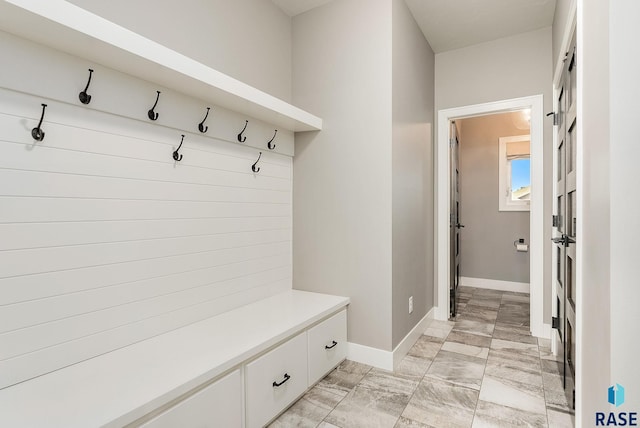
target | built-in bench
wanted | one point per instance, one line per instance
(240, 368)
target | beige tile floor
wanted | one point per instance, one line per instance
(482, 369)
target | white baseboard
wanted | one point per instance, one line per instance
(410, 339)
(370, 356)
(388, 360)
(494, 284)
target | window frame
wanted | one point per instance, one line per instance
(504, 176)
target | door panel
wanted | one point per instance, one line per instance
(454, 221)
(565, 233)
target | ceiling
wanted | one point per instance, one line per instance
(296, 7)
(454, 24)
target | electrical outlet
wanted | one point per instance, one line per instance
(411, 304)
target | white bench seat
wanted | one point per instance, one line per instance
(122, 386)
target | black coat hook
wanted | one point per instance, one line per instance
(240, 137)
(254, 167)
(37, 133)
(84, 97)
(177, 156)
(152, 114)
(272, 146)
(201, 126)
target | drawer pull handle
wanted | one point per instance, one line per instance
(332, 346)
(286, 378)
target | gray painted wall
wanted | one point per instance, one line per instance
(250, 40)
(342, 175)
(507, 68)
(594, 274)
(607, 312)
(413, 80)
(486, 245)
(363, 188)
(625, 234)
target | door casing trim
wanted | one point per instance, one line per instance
(536, 218)
(569, 29)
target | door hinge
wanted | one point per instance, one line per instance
(555, 323)
(555, 117)
(555, 220)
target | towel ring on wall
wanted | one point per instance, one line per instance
(37, 133)
(177, 156)
(240, 137)
(201, 126)
(152, 114)
(254, 167)
(272, 146)
(84, 97)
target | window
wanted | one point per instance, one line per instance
(514, 173)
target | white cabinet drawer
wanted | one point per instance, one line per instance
(327, 345)
(275, 380)
(217, 405)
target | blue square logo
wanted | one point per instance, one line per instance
(616, 395)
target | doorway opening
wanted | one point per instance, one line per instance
(490, 159)
(443, 250)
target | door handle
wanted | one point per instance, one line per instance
(564, 240)
(459, 226)
(333, 345)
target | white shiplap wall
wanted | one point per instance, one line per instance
(104, 239)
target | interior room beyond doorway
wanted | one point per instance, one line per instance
(495, 189)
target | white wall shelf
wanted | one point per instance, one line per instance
(71, 29)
